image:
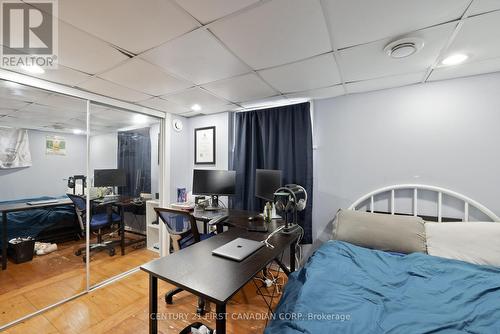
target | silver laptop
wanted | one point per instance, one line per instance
(238, 249)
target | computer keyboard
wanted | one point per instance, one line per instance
(217, 219)
(45, 201)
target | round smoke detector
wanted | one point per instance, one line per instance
(404, 47)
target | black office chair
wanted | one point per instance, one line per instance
(98, 221)
(181, 226)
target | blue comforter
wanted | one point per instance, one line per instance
(31, 223)
(348, 289)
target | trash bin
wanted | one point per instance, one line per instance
(21, 249)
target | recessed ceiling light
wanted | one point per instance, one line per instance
(404, 47)
(140, 119)
(35, 69)
(454, 59)
(195, 107)
(77, 131)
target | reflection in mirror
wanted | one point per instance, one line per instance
(124, 169)
(42, 147)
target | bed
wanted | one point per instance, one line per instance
(344, 288)
(49, 224)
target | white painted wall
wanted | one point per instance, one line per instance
(443, 133)
(104, 154)
(46, 176)
(183, 149)
(180, 168)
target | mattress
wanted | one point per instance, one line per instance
(349, 289)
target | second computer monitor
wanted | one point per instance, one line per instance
(109, 178)
(266, 183)
(214, 182)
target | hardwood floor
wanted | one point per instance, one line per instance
(122, 307)
(30, 286)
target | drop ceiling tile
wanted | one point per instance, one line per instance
(22, 123)
(479, 37)
(218, 109)
(113, 90)
(320, 71)
(110, 116)
(76, 123)
(354, 22)
(62, 75)
(384, 83)
(210, 10)
(195, 96)
(15, 91)
(192, 114)
(32, 116)
(12, 104)
(96, 108)
(321, 93)
(243, 88)
(38, 111)
(84, 52)
(198, 57)
(132, 25)
(164, 105)
(467, 69)
(483, 6)
(144, 77)
(58, 101)
(275, 33)
(5, 111)
(369, 61)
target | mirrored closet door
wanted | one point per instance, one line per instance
(42, 164)
(124, 189)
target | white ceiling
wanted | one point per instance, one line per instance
(35, 109)
(232, 54)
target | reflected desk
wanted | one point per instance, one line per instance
(121, 202)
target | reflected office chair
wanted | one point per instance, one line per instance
(181, 226)
(98, 222)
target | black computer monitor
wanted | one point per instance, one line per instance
(109, 178)
(267, 181)
(214, 183)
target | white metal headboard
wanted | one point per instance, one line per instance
(468, 203)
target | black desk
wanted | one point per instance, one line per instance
(238, 217)
(6, 208)
(121, 202)
(196, 270)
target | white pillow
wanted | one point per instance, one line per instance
(474, 242)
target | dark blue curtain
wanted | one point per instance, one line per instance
(275, 138)
(134, 156)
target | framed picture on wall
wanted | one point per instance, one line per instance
(204, 146)
(55, 145)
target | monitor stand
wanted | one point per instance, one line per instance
(214, 204)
